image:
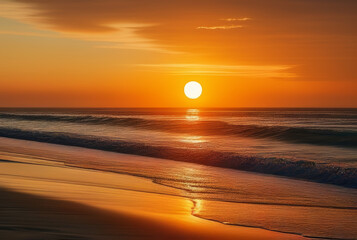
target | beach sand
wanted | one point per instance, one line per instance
(48, 200)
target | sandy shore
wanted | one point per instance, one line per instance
(51, 201)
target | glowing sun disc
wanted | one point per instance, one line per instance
(193, 90)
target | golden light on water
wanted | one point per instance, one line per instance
(193, 139)
(192, 114)
(197, 206)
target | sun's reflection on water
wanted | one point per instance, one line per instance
(192, 114)
(193, 139)
(197, 206)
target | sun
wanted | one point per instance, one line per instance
(193, 90)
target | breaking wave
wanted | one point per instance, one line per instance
(297, 169)
(325, 137)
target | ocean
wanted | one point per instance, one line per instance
(292, 160)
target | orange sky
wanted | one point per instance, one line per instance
(140, 53)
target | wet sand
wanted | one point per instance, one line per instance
(51, 201)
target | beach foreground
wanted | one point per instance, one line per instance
(48, 200)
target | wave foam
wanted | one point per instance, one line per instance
(297, 169)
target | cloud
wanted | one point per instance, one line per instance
(235, 19)
(225, 27)
(309, 34)
(16, 10)
(249, 71)
(119, 35)
(30, 34)
(220, 27)
(123, 37)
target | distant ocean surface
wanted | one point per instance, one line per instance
(313, 145)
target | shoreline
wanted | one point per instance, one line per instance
(172, 221)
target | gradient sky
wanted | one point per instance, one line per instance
(140, 53)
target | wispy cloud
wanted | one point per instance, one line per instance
(220, 27)
(124, 37)
(30, 34)
(18, 11)
(249, 71)
(225, 27)
(235, 19)
(121, 35)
